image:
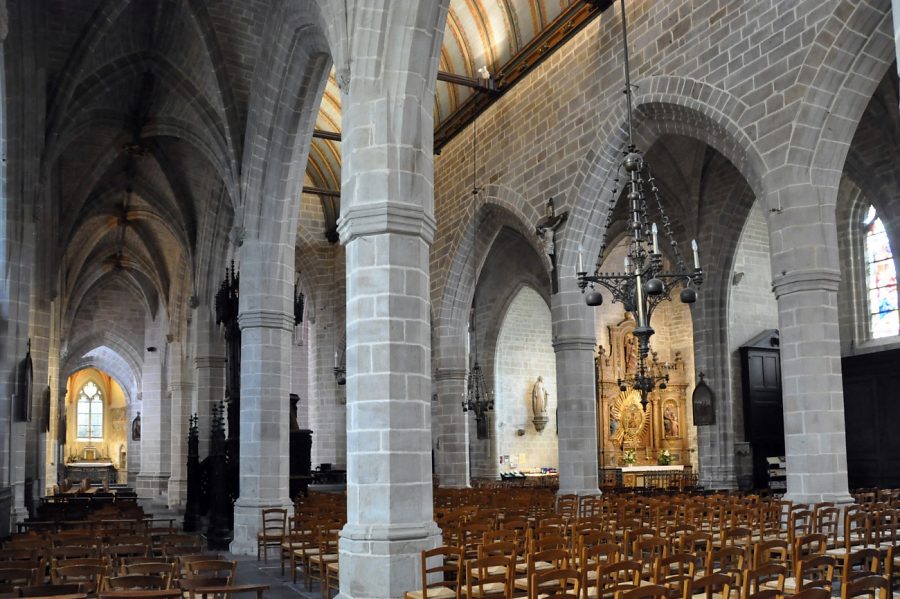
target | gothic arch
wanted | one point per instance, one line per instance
(663, 105)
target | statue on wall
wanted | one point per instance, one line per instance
(613, 421)
(630, 354)
(670, 421)
(136, 428)
(540, 397)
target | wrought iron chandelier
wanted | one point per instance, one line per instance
(478, 397)
(645, 282)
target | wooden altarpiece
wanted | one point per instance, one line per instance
(623, 424)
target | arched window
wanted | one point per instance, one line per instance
(89, 424)
(881, 278)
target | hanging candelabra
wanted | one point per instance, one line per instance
(644, 282)
(478, 397)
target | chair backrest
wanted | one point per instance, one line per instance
(755, 580)
(136, 582)
(166, 570)
(160, 594)
(709, 586)
(507, 548)
(815, 572)
(808, 545)
(10, 578)
(556, 583)
(274, 521)
(866, 585)
(488, 571)
(446, 569)
(813, 593)
(860, 564)
(649, 591)
(618, 577)
(214, 567)
(773, 551)
(49, 590)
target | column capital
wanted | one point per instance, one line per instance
(209, 362)
(361, 220)
(450, 374)
(813, 279)
(574, 343)
(266, 319)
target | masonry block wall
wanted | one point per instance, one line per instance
(752, 307)
(524, 352)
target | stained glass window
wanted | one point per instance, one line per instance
(881, 278)
(89, 411)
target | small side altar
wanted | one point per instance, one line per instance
(96, 471)
(640, 440)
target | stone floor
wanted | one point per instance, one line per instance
(249, 570)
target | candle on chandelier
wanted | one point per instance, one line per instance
(627, 264)
(654, 230)
(580, 258)
(696, 254)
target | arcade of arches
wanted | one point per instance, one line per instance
(148, 145)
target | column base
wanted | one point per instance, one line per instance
(811, 498)
(248, 521)
(177, 493)
(151, 486)
(580, 492)
(381, 562)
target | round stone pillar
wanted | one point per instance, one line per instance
(574, 342)
(450, 428)
(812, 389)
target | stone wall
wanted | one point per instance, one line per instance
(524, 352)
(752, 307)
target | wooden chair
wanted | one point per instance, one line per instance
(561, 583)
(306, 548)
(327, 554)
(50, 590)
(446, 568)
(650, 591)
(773, 551)
(618, 577)
(764, 582)
(90, 575)
(215, 568)
(814, 572)
(592, 558)
(867, 586)
(166, 570)
(674, 571)
(860, 564)
(813, 594)
(481, 583)
(541, 561)
(160, 594)
(274, 525)
(10, 578)
(191, 585)
(711, 586)
(135, 582)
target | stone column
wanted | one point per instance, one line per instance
(812, 389)
(450, 428)
(574, 341)
(389, 498)
(387, 225)
(155, 421)
(267, 322)
(180, 394)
